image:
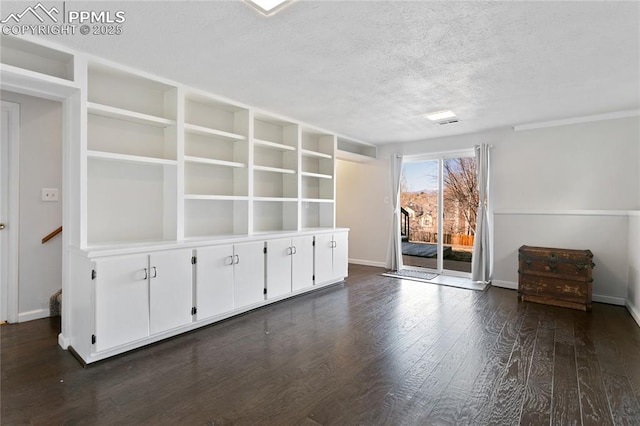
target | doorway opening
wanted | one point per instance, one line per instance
(438, 203)
(34, 207)
(9, 157)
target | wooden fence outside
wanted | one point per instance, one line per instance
(450, 239)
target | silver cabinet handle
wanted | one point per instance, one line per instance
(146, 274)
(289, 251)
(230, 259)
(237, 259)
(295, 250)
(155, 272)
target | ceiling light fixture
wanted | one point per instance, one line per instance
(267, 7)
(440, 115)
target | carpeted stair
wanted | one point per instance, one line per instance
(55, 303)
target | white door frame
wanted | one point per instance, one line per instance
(440, 157)
(10, 214)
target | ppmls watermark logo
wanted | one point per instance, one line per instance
(39, 19)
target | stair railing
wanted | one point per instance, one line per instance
(51, 235)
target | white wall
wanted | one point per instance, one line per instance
(40, 265)
(550, 187)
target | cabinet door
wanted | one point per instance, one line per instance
(279, 254)
(122, 301)
(302, 262)
(170, 289)
(324, 258)
(248, 274)
(214, 281)
(340, 255)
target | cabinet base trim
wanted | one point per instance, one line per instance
(93, 357)
(77, 356)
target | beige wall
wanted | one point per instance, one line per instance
(363, 205)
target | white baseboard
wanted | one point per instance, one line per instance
(368, 263)
(33, 315)
(621, 301)
(634, 311)
(505, 284)
(63, 341)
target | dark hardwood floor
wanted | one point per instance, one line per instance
(375, 350)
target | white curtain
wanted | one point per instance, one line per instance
(395, 245)
(481, 264)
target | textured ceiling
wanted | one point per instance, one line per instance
(370, 69)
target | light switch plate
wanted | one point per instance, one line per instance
(49, 194)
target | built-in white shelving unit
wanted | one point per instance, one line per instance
(360, 152)
(37, 58)
(158, 174)
(132, 157)
(216, 158)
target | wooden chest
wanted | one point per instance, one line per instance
(553, 276)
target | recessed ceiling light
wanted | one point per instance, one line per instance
(440, 115)
(267, 7)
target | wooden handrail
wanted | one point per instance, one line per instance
(51, 235)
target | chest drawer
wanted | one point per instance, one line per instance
(560, 277)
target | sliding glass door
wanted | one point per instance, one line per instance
(438, 200)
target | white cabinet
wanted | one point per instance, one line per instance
(122, 301)
(229, 277)
(302, 262)
(278, 275)
(214, 281)
(289, 265)
(248, 273)
(170, 290)
(331, 257)
(340, 254)
(141, 295)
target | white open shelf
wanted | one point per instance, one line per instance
(129, 92)
(275, 215)
(206, 217)
(130, 158)
(317, 175)
(205, 131)
(23, 54)
(201, 160)
(274, 169)
(309, 153)
(215, 180)
(215, 197)
(130, 200)
(317, 214)
(211, 117)
(355, 151)
(123, 114)
(273, 145)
